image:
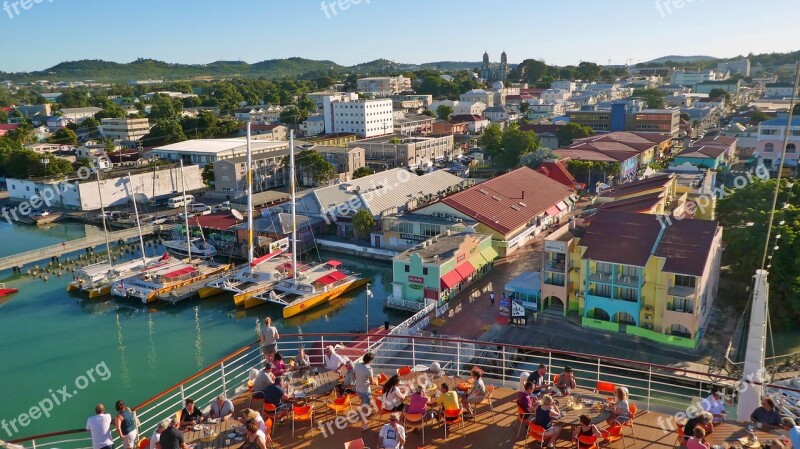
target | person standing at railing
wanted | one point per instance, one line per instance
(126, 426)
(100, 427)
(363, 380)
(269, 339)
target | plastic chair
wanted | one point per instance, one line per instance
(452, 417)
(536, 433)
(413, 421)
(555, 379)
(382, 378)
(679, 436)
(586, 442)
(486, 400)
(381, 410)
(605, 387)
(522, 416)
(303, 413)
(270, 410)
(144, 443)
(355, 444)
(339, 405)
(612, 434)
(629, 423)
(405, 370)
(268, 425)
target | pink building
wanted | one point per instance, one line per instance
(769, 145)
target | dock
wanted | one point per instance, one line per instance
(189, 291)
(61, 249)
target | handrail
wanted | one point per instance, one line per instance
(47, 435)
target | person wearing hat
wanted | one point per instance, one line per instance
(392, 435)
(566, 381)
(435, 369)
(715, 405)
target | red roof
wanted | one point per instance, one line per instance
(8, 126)
(465, 270)
(557, 171)
(220, 221)
(450, 280)
(179, 272)
(466, 118)
(509, 201)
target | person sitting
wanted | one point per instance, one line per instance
(333, 361)
(222, 408)
(476, 393)
(544, 415)
(585, 429)
(435, 369)
(703, 420)
(447, 399)
(525, 400)
(793, 427)
(392, 398)
(566, 381)
(348, 383)
(539, 380)
(392, 435)
(276, 396)
(620, 411)
(303, 362)
(766, 415)
(156, 436)
(250, 414)
(278, 365)
(419, 402)
(697, 440)
(254, 438)
(263, 380)
(714, 405)
(190, 415)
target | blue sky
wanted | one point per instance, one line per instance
(414, 31)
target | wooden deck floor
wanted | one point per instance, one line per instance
(484, 433)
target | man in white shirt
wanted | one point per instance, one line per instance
(154, 439)
(714, 404)
(100, 427)
(333, 361)
(392, 435)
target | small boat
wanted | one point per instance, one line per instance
(155, 281)
(96, 279)
(256, 278)
(44, 217)
(199, 248)
(5, 291)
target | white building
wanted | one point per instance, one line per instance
(740, 66)
(313, 126)
(567, 85)
(469, 108)
(778, 90)
(690, 78)
(367, 118)
(208, 151)
(117, 189)
(384, 85)
(78, 115)
(124, 129)
(555, 95)
(476, 95)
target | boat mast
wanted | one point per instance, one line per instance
(294, 206)
(103, 216)
(138, 224)
(186, 215)
(249, 199)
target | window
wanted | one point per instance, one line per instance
(602, 290)
(791, 148)
(628, 294)
(428, 230)
(424, 271)
(407, 268)
(769, 147)
(682, 305)
(406, 228)
(684, 281)
(628, 270)
(604, 267)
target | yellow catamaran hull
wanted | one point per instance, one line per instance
(297, 308)
(153, 296)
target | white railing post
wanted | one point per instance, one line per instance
(598, 370)
(33, 444)
(322, 346)
(224, 383)
(413, 352)
(649, 380)
(458, 358)
(503, 361)
(550, 362)
(183, 395)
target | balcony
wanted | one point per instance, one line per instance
(556, 267)
(605, 278)
(683, 292)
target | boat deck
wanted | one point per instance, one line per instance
(484, 432)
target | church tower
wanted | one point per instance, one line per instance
(485, 59)
(503, 66)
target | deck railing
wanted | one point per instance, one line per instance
(659, 388)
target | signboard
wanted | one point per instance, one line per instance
(416, 238)
(416, 286)
(518, 315)
(461, 258)
(282, 245)
(555, 247)
(416, 279)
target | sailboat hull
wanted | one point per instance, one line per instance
(98, 292)
(240, 299)
(298, 307)
(207, 292)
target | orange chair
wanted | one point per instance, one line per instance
(486, 400)
(605, 387)
(629, 423)
(339, 405)
(413, 421)
(536, 433)
(144, 443)
(355, 444)
(382, 378)
(268, 425)
(403, 371)
(304, 413)
(381, 410)
(523, 417)
(270, 411)
(586, 442)
(555, 379)
(452, 417)
(680, 436)
(612, 434)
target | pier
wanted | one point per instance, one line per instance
(60, 249)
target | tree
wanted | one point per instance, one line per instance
(165, 132)
(686, 116)
(360, 172)
(653, 97)
(208, 174)
(717, 93)
(523, 107)
(444, 112)
(535, 158)
(313, 163)
(515, 144)
(363, 222)
(23, 134)
(744, 214)
(111, 110)
(588, 71)
(758, 116)
(428, 113)
(571, 131)
(491, 140)
(64, 136)
(293, 115)
(90, 123)
(324, 82)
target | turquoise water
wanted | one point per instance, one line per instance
(49, 338)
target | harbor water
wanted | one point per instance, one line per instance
(49, 339)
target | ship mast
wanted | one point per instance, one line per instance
(186, 215)
(138, 223)
(249, 199)
(294, 206)
(103, 216)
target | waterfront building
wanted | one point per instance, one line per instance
(438, 268)
(208, 151)
(627, 272)
(402, 231)
(405, 151)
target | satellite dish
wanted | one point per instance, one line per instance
(236, 214)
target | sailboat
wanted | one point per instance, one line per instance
(315, 286)
(96, 279)
(151, 283)
(260, 274)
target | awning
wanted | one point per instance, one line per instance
(490, 254)
(465, 270)
(334, 263)
(181, 272)
(562, 205)
(553, 211)
(450, 280)
(330, 278)
(478, 261)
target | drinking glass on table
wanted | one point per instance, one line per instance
(751, 426)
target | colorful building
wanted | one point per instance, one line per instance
(438, 268)
(627, 272)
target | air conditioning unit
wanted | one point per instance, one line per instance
(648, 317)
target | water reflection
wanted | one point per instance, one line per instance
(123, 359)
(198, 340)
(152, 353)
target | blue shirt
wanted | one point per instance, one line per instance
(543, 418)
(274, 395)
(763, 416)
(794, 437)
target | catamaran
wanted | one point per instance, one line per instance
(197, 247)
